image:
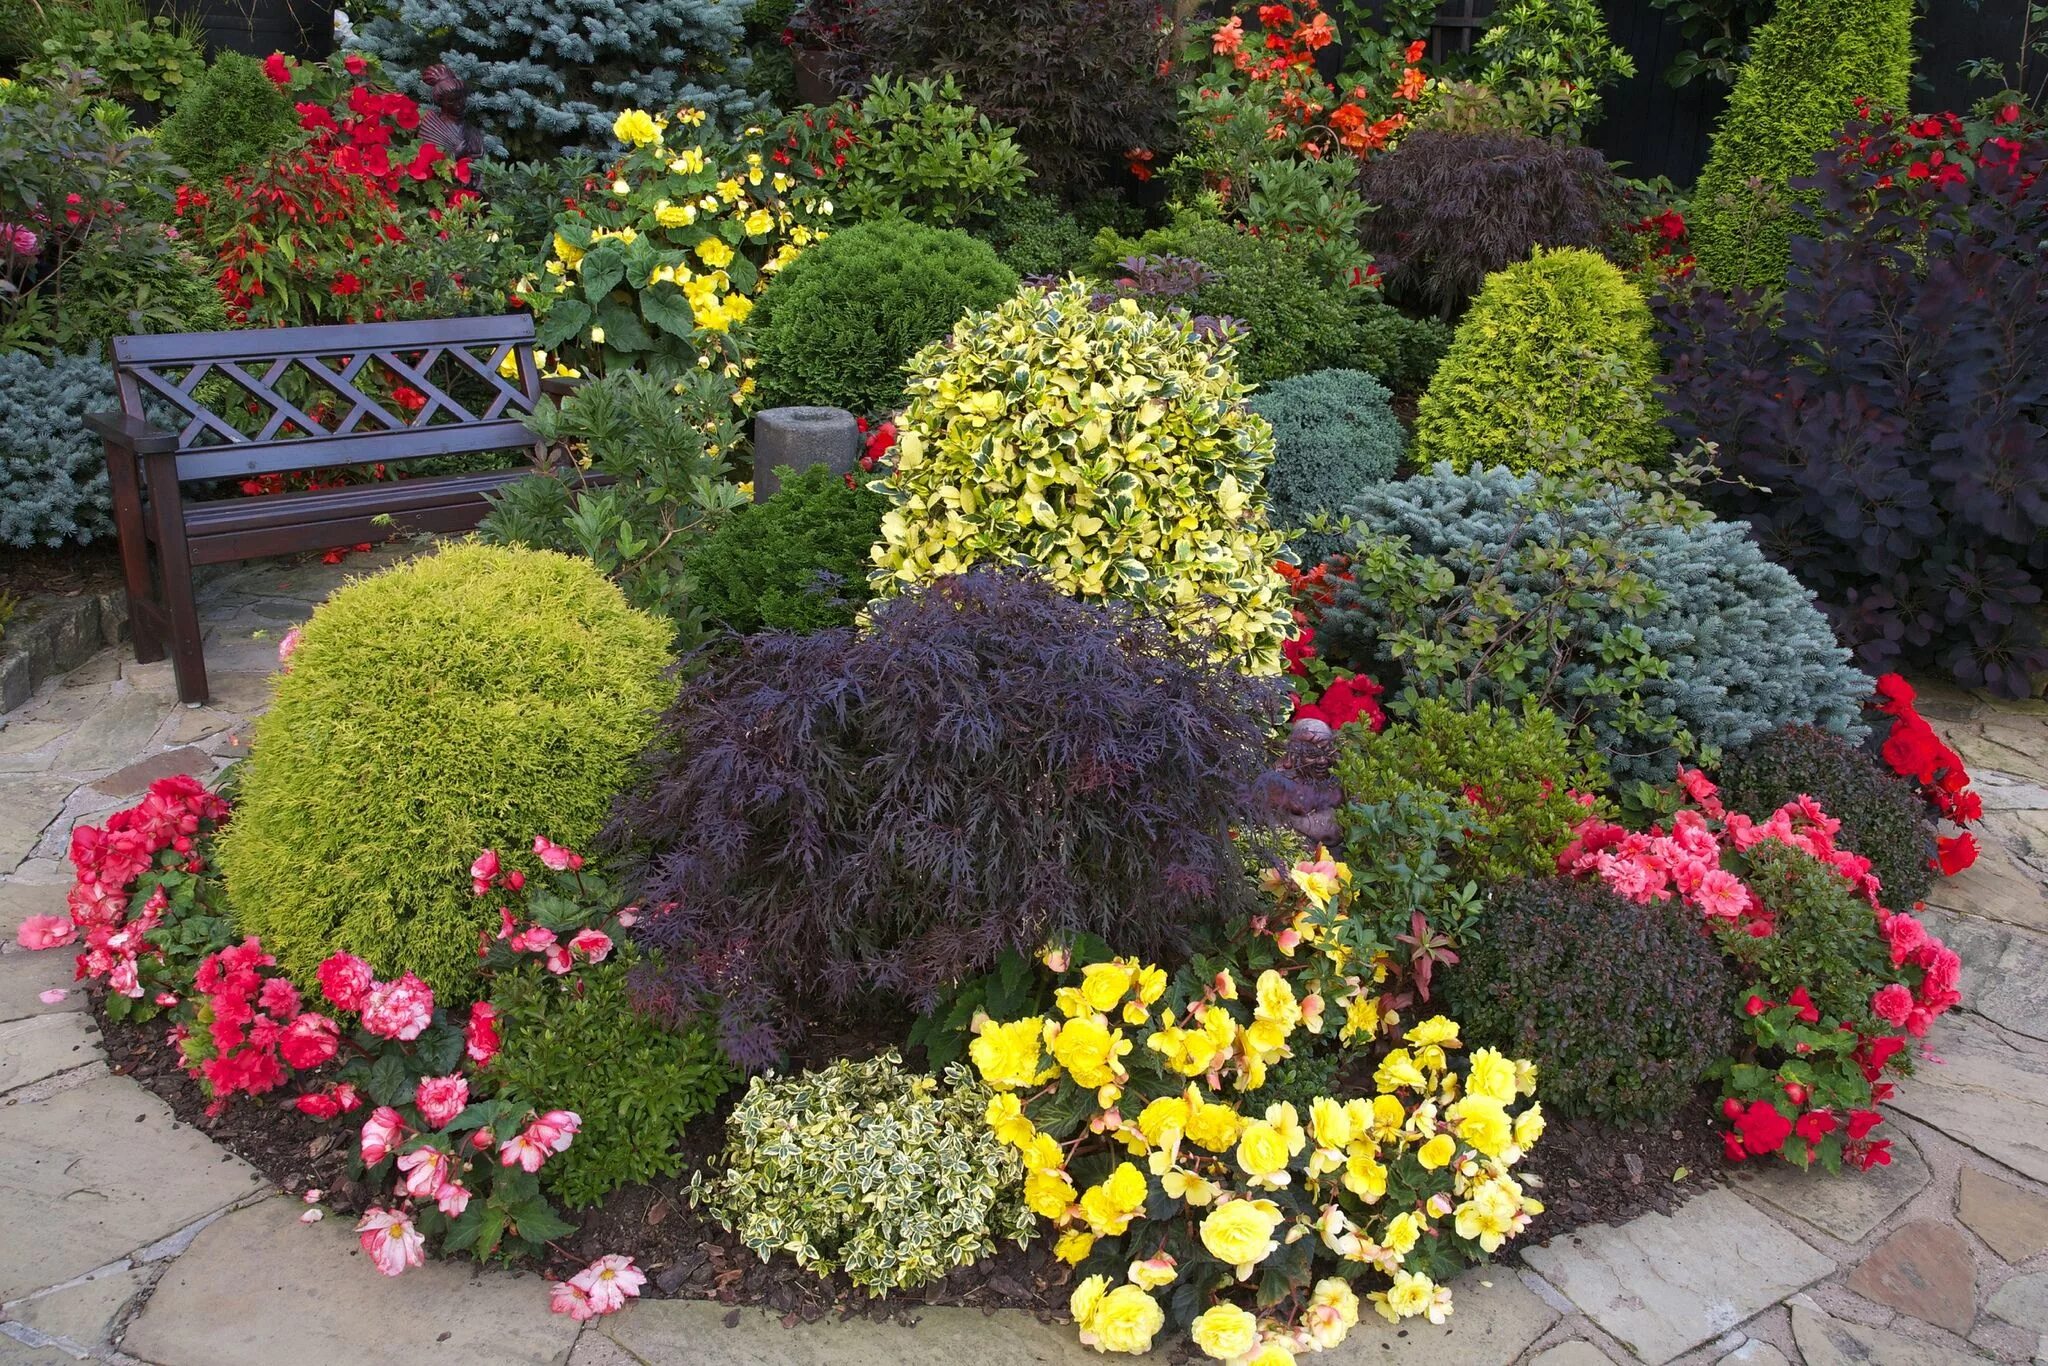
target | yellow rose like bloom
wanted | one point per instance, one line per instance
(1213, 1126)
(1488, 1217)
(1167, 1112)
(635, 128)
(1437, 1153)
(1529, 1127)
(1361, 1017)
(729, 189)
(1438, 1029)
(1087, 1295)
(1398, 1070)
(1048, 1192)
(1492, 1076)
(1329, 1122)
(1005, 1115)
(1241, 1233)
(1224, 1332)
(1408, 1296)
(1364, 1177)
(1110, 1206)
(1276, 999)
(1388, 1115)
(1153, 1272)
(1089, 1050)
(1525, 1077)
(569, 255)
(1262, 1152)
(759, 223)
(1103, 985)
(1275, 1352)
(1482, 1124)
(1074, 1246)
(1332, 1312)
(715, 253)
(1125, 1320)
(1007, 1055)
(675, 215)
(1403, 1231)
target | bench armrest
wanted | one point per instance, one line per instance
(131, 433)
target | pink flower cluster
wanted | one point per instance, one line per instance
(603, 1287)
(589, 944)
(250, 1027)
(109, 861)
(550, 1133)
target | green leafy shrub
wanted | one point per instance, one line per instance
(893, 1178)
(1511, 779)
(579, 1044)
(1823, 936)
(1295, 320)
(53, 475)
(468, 699)
(232, 116)
(1883, 816)
(1554, 43)
(836, 325)
(1553, 368)
(136, 56)
(1333, 434)
(1623, 1008)
(797, 562)
(914, 149)
(1400, 351)
(1108, 449)
(1035, 236)
(1807, 68)
(1639, 618)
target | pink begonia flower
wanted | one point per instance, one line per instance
(522, 1150)
(558, 960)
(1893, 1004)
(399, 1010)
(565, 1297)
(555, 856)
(380, 1134)
(123, 980)
(288, 647)
(53, 996)
(309, 1041)
(391, 1241)
(441, 1099)
(556, 1128)
(1722, 894)
(425, 1171)
(609, 1282)
(592, 944)
(629, 917)
(480, 1036)
(312, 1196)
(538, 939)
(452, 1199)
(279, 998)
(483, 872)
(46, 932)
(346, 980)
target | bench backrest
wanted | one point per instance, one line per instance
(328, 396)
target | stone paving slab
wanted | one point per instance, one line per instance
(305, 1295)
(699, 1333)
(44, 1045)
(92, 1173)
(2005, 970)
(1494, 1319)
(1574, 1353)
(27, 804)
(2023, 1301)
(85, 1314)
(1849, 1206)
(1995, 887)
(2012, 1221)
(1923, 1269)
(24, 977)
(1827, 1341)
(1664, 1284)
(1985, 1093)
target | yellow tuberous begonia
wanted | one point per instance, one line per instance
(1008, 1055)
(1225, 1332)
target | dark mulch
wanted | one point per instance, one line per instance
(67, 573)
(1589, 1174)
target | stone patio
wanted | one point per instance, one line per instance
(130, 1237)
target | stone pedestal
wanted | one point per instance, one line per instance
(798, 438)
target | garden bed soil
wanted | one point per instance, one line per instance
(1589, 1173)
(67, 573)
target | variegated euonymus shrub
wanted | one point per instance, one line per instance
(891, 1177)
(1110, 450)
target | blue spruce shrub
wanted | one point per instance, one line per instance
(1668, 624)
(1334, 435)
(53, 477)
(549, 76)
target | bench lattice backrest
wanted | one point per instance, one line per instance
(265, 401)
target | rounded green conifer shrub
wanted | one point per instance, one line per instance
(1622, 1008)
(796, 562)
(1334, 433)
(1553, 369)
(836, 326)
(1807, 69)
(468, 699)
(232, 116)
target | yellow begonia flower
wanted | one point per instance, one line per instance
(1482, 1124)
(687, 162)
(1332, 1313)
(1262, 1152)
(1272, 1352)
(1438, 1029)
(1005, 1115)
(1007, 1055)
(1329, 1122)
(1110, 1206)
(759, 223)
(1364, 1177)
(1153, 1272)
(1213, 1126)
(569, 254)
(689, 118)
(636, 128)
(1529, 1127)
(1225, 1332)
(675, 215)
(1074, 1246)
(1103, 985)
(729, 189)
(1492, 1076)
(1438, 1152)
(1409, 1295)
(1090, 1051)
(1164, 1115)
(1125, 1320)
(1397, 1070)
(1049, 1193)
(713, 252)
(1240, 1233)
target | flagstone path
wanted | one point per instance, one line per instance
(128, 1237)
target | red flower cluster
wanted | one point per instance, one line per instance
(1914, 751)
(250, 1028)
(109, 861)
(1936, 151)
(1304, 108)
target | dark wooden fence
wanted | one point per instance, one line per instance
(303, 28)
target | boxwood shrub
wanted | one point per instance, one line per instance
(797, 562)
(469, 699)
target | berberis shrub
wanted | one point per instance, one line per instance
(1109, 449)
(836, 325)
(1622, 1007)
(1886, 438)
(1553, 368)
(465, 700)
(1807, 69)
(990, 765)
(1654, 627)
(1334, 433)
(1883, 816)
(1451, 209)
(797, 562)
(651, 1083)
(893, 1178)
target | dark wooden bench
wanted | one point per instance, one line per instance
(304, 398)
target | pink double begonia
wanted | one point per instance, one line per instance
(381, 1132)
(399, 1010)
(391, 1241)
(441, 1099)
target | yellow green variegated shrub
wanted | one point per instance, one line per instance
(1111, 450)
(892, 1177)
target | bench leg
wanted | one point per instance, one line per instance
(188, 651)
(125, 483)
